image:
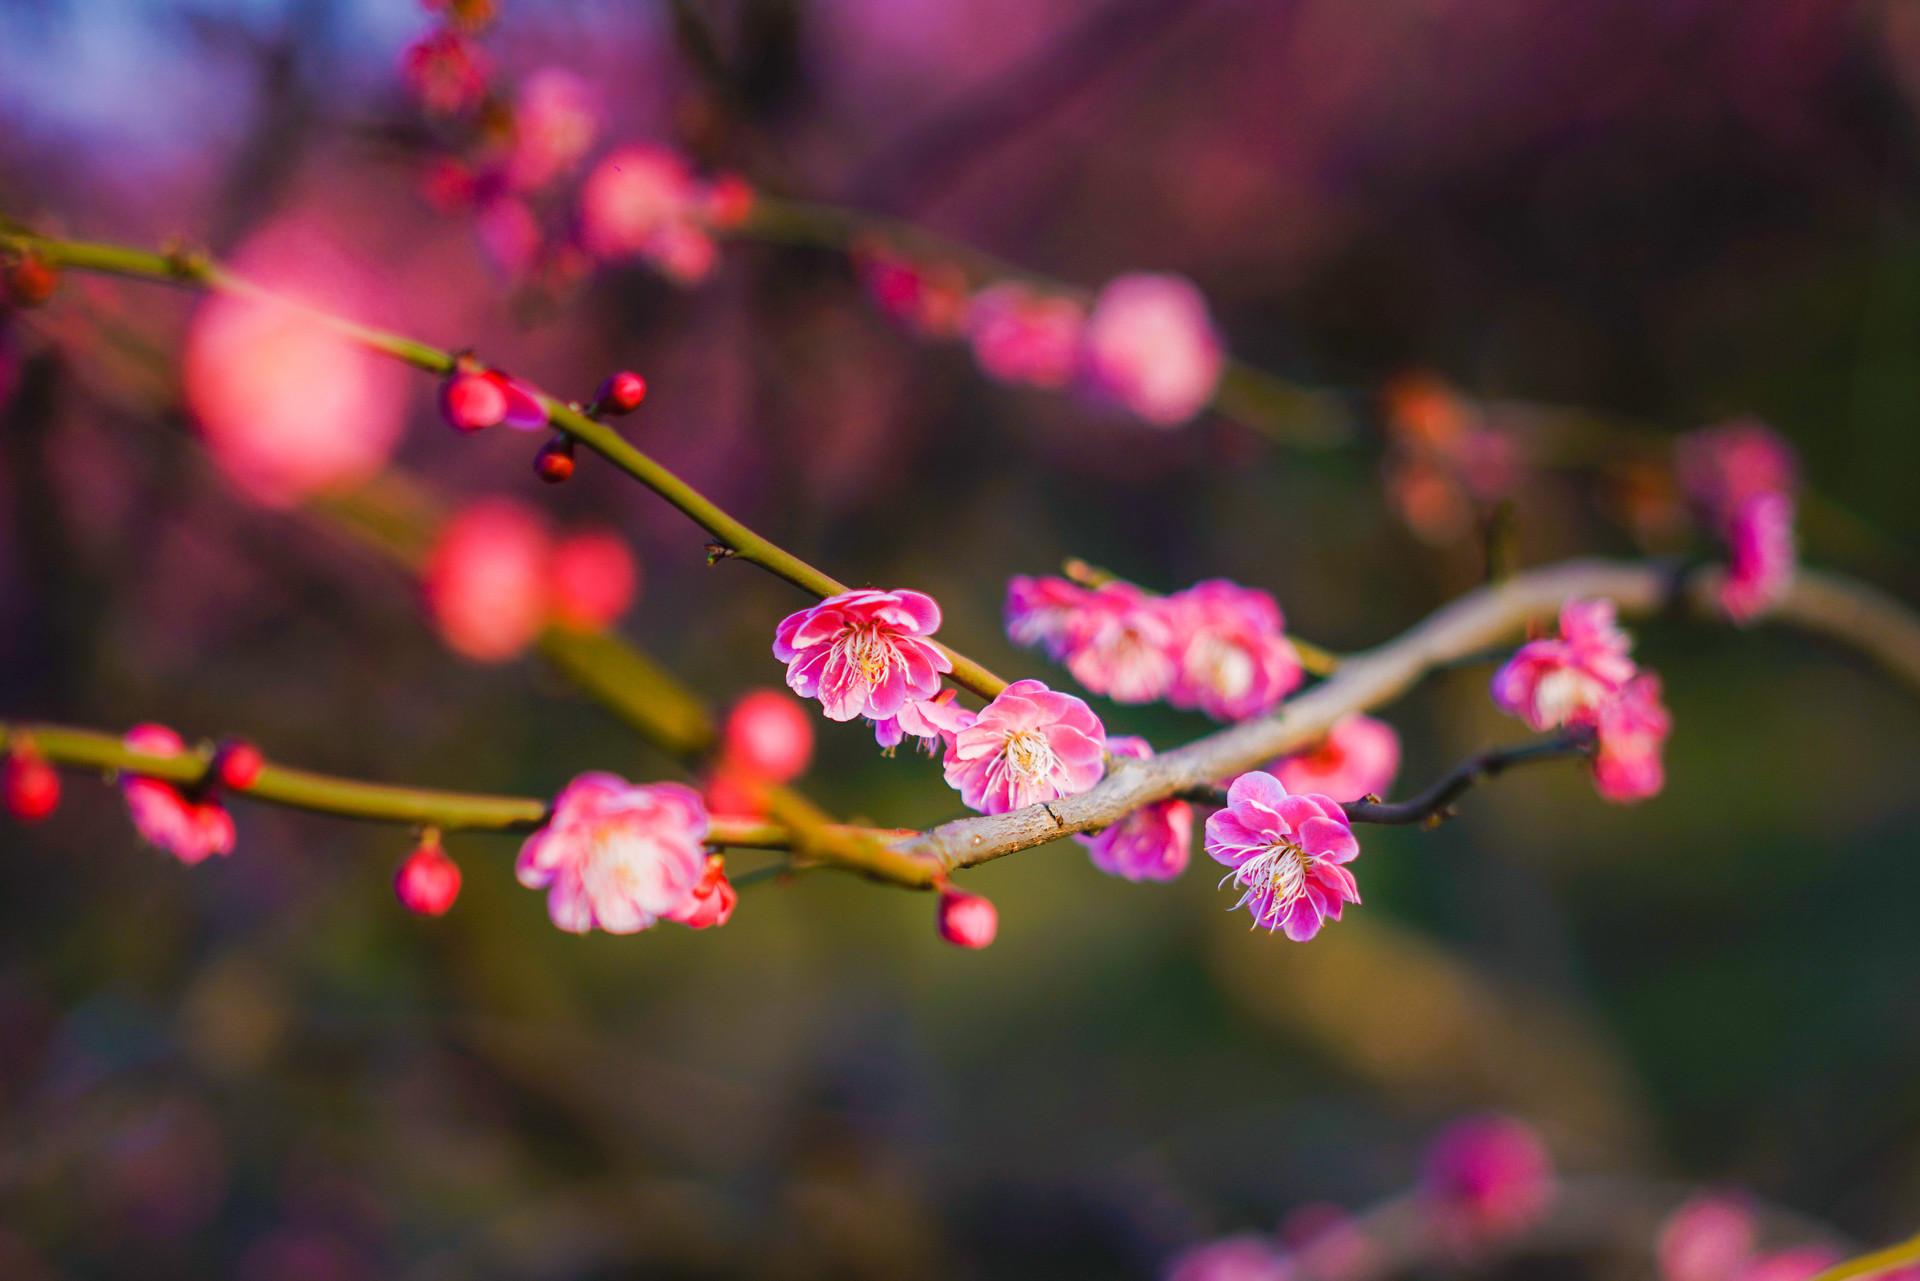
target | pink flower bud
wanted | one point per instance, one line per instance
(428, 881)
(592, 579)
(32, 787)
(622, 393)
(237, 764)
(712, 899)
(554, 462)
(768, 734)
(967, 920)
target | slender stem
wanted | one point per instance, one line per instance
(735, 539)
(1436, 802)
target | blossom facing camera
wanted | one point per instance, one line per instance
(1044, 613)
(187, 827)
(1150, 844)
(768, 735)
(1234, 660)
(1358, 757)
(1121, 642)
(863, 653)
(31, 785)
(428, 881)
(617, 856)
(1556, 681)
(1287, 853)
(1030, 744)
(966, 920)
(1150, 347)
(1486, 1178)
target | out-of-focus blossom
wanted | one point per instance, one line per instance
(934, 721)
(618, 856)
(1286, 852)
(1028, 745)
(712, 900)
(191, 828)
(510, 234)
(554, 119)
(863, 653)
(644, 202)
(731, 791)
(446, 72)
(29, 280)
(727, 202)
(1020, 335)
(476, 399)
(1044, 612)
(31, 785)
(1442, 462)
(928, 299)
(1150, 346)
(1150, 844)
(1486, 1178)
(769, 735)
(1557, 680)
(1358, 757)
(1632, 729)
(1234, 660)
(1121, 642)
(1326, 1242)
(237, 764)
(1799, 1263)
(1237, 1258)
(486, 580)
(1709, 1238)
(966, 920)
(428, 881)
(592, 579)
(1760, 556)
(287, 407)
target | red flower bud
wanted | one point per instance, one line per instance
(554, 462)
(32, 787)
(712, 900)
(472, 401)
(622, 393)
(428, 881)
(967, 920)
(237, 764)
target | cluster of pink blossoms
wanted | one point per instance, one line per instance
(1586, 677)
(1216, 647)
(190, 825)
(495, 577)
(1742, 477)
(1287, 853)
(620, 857)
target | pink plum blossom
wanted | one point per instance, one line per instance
(1150, 844)
(1030, 744)
(1150, 347)
(643, 201)
(1631, 730)
(1234, 660)
(446, 72)
(712, 901)
(1358, 757)
(1044, 612)
(863, 653)
(934, 721)
(485, 580)
(1121, 642)
(1722, 467)
(474, 399)
(554, 118)
(592, 579)
(1486, 1178)
(1558, 680)
(618, 856)
(1020, 335)
(1286, 853)
(1760, 556)
(929, 299)
(188, 827)
(1246, 1257)
(1709, 1238)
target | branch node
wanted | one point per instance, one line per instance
(717, 552)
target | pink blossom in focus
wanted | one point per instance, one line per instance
(934, 721)
(1150, 844)
(1122, 643)
(644, 202)
(769, 735)
(1238, 1258)
(617, 856)
(1486, 1178)
(966, 920)
(1800, 1263)
(187, 828)
(1760, 556)
(1030, 744)
(486, 580)
(592, 579)
(554, 118)
(1234, 658)
(446, 72)
(1044, 612)
(1022, 336)
(1709, 1238)
(1558, 680)
(1150, 347)
(1286, 853)
(1358, 757)
(863, 653)
(1632, 729)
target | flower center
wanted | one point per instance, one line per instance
(1228, 667)
(1563, 692)
(1029, 755)
(1279, 876)
(870, 653)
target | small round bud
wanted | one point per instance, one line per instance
(768, 734)
(967, 920)
(472, 402)
(735, 793)
(622, 393)
(554, 462)
(428, 881)
(237, 764)
(32, 787)
(31, 282)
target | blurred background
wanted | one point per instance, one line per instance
(1665, 211)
